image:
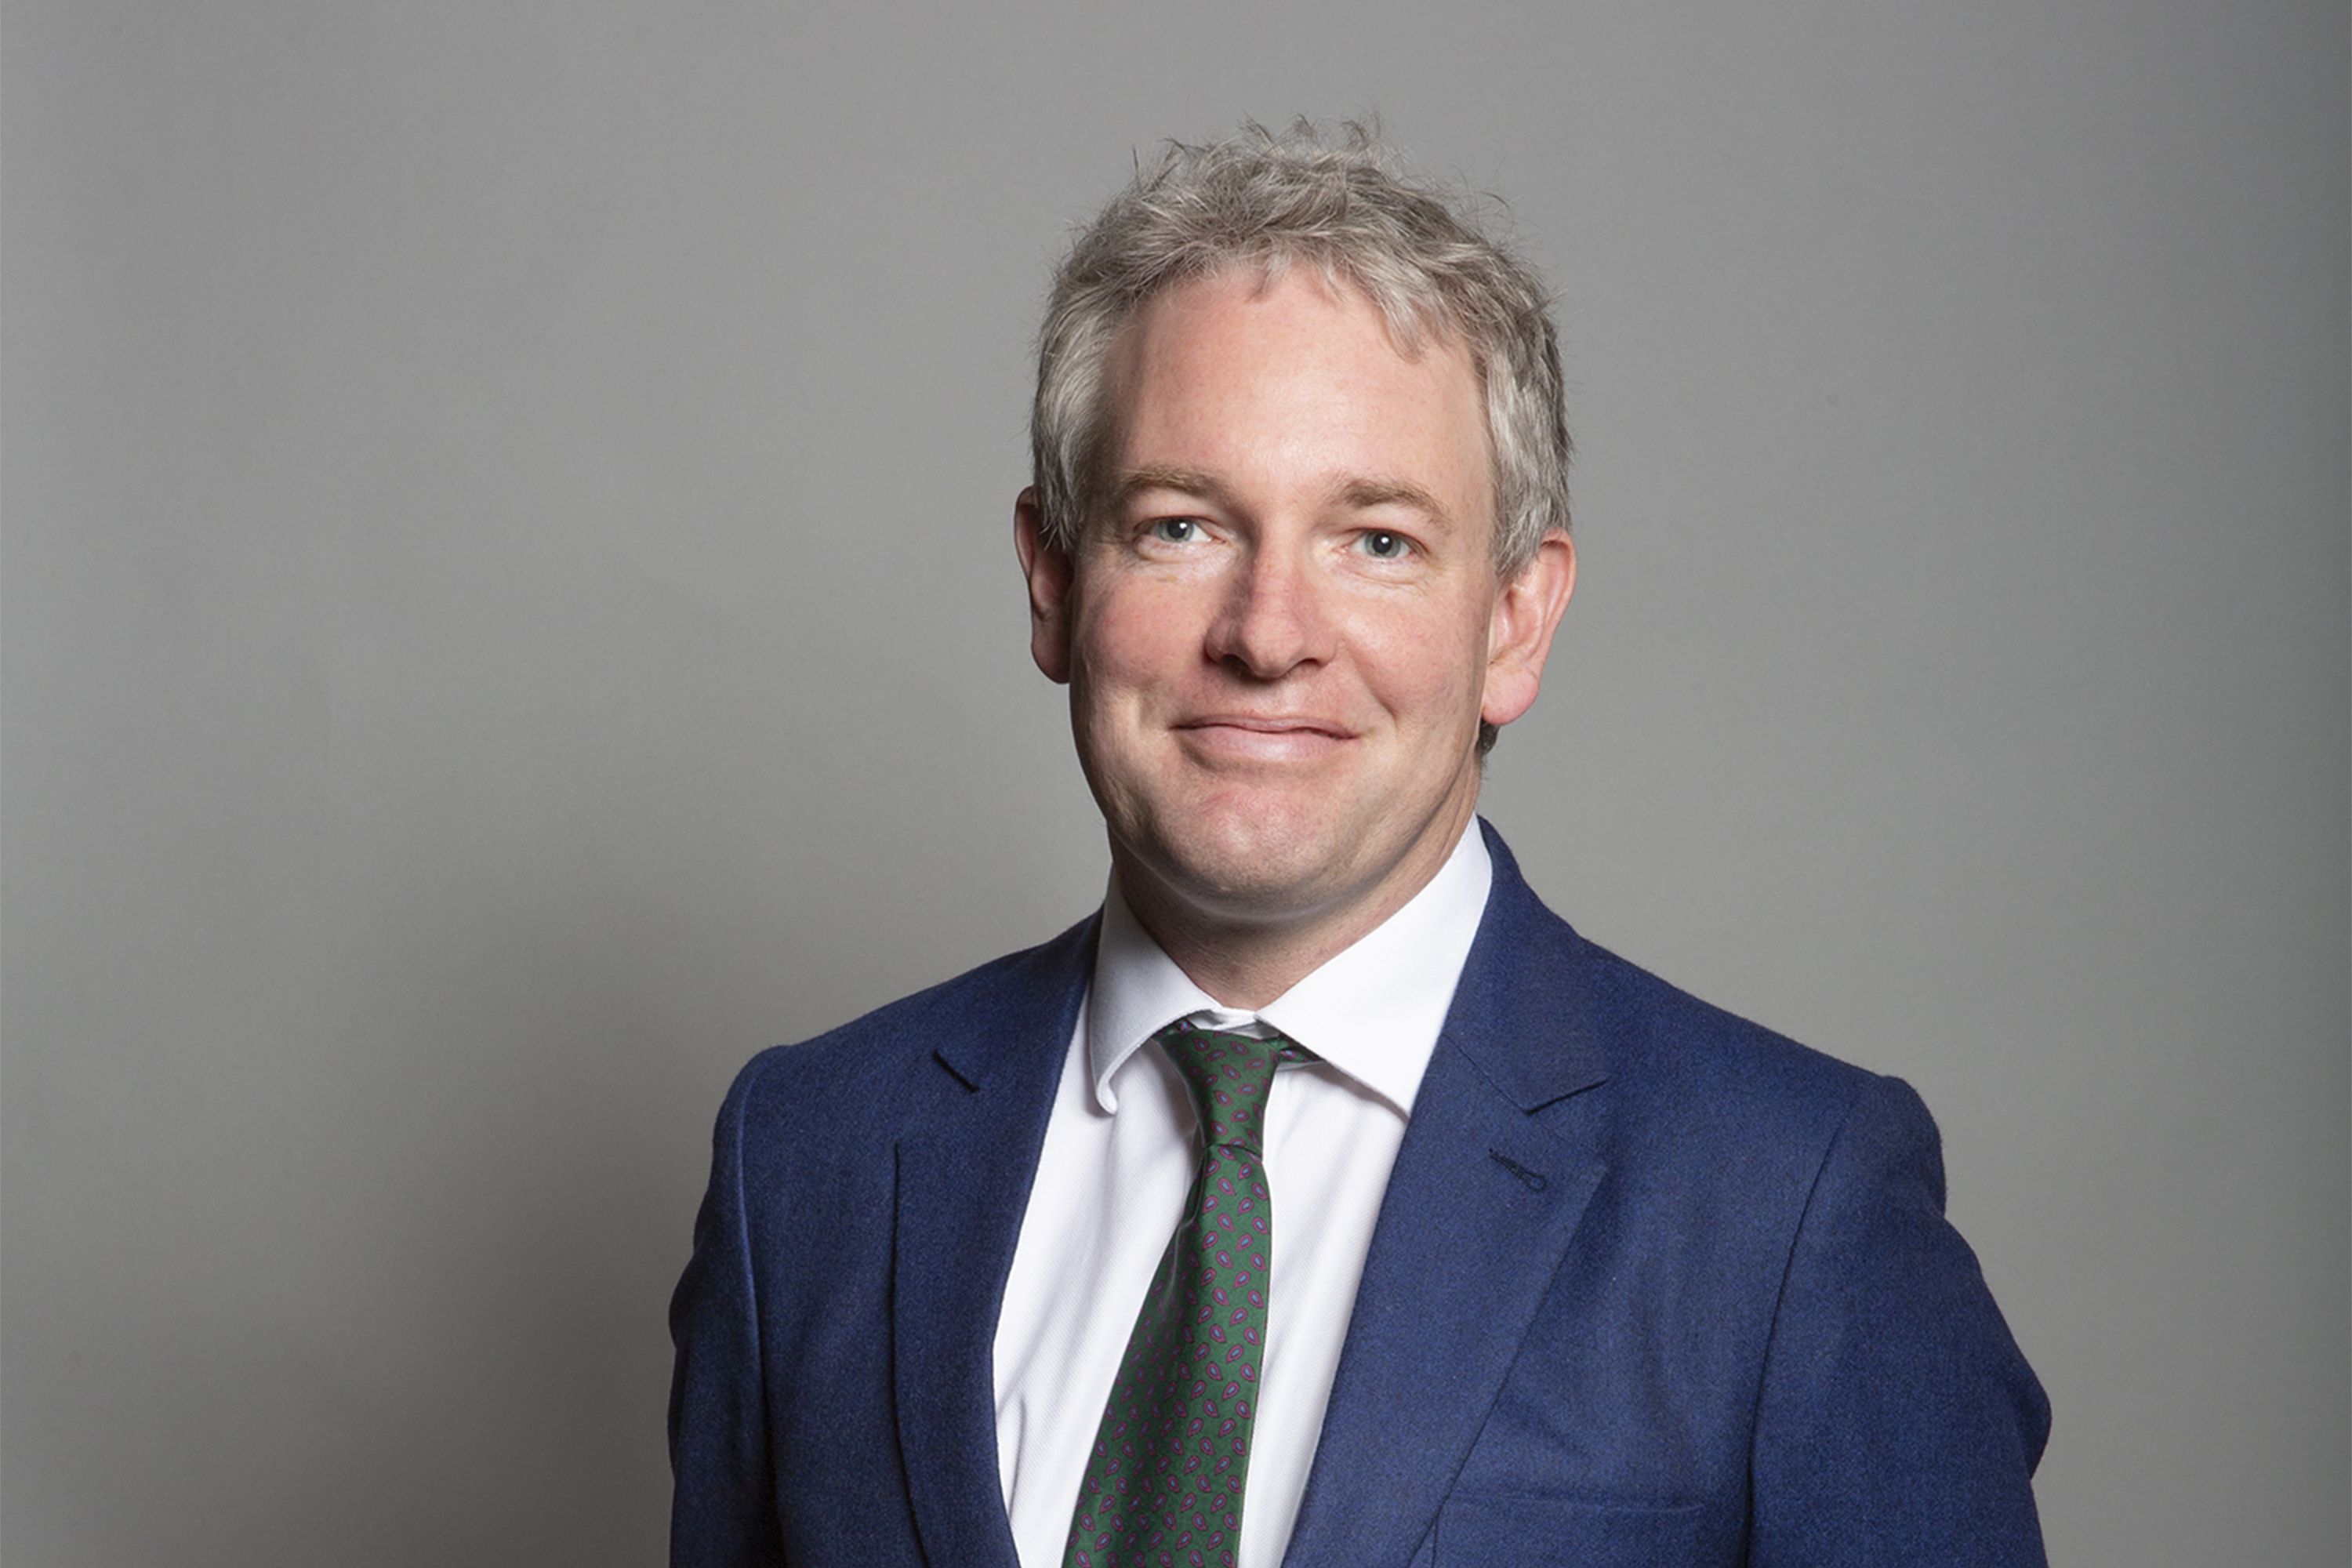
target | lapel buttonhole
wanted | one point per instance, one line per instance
(1534, 1180)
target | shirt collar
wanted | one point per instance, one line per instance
(1372, 1011)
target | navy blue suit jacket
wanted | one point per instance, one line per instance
(1650, 1286)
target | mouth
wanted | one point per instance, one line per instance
(1258, 737)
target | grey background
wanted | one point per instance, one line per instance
(509, 609)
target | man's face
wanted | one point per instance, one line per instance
(1283, 623)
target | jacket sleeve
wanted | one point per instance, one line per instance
(722, 1511)
(1899, 1423)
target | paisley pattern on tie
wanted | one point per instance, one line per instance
(1163, 1486)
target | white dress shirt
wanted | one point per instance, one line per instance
(1120, 1155)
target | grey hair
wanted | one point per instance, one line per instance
(1265, 201)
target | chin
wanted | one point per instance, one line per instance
(1246, 865)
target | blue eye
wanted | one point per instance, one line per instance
(1381, 545)
(1175, 530)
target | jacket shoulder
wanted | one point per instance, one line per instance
(863, 1070)
(1551, 1011)
(1662, 1041)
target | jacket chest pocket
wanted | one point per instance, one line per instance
(1519, 1531)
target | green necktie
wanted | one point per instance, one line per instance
(1164, 1482)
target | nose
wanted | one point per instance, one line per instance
(1273, 619)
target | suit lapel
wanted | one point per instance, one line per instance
(1490, 1182)
(964, 1167)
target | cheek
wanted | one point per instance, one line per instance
(1130, 639)
(1428, 667)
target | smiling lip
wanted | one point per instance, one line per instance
(1249, 735)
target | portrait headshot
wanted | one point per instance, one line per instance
(1492, 1247)
(1085, 787)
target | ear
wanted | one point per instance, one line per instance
(1526, 612)
(1046, 566)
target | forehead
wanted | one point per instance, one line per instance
(1292, 379)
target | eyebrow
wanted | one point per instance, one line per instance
(1359, 493)
(1162, 477)
(1378, 490)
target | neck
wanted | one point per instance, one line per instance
(1247, 961)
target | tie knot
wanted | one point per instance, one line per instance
(1229, 1076)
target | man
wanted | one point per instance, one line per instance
(1324, 1199)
